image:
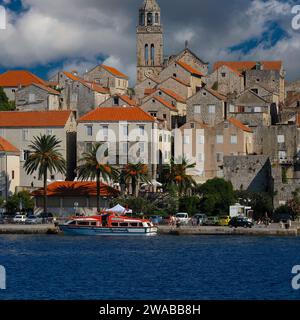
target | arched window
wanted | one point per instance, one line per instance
(146, 54)
(149, 19)
(156, 18)
(152, 54)
(142, 19)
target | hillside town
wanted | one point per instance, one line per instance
(235, 120)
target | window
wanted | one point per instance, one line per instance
(212, 109)
(142, 19)
(255, 91)
(164, 116)
(142, 130)
(231, 108)
(25, 134)
(257, 109)
(88, 147)
(280, 138)
(233, 139)
(31, 97)
(116, 101)
(149, 19)
(152, 54)
(200, 139)
(220, 139)
(13, 175)
(174, 75)
(223, 75)
(257, 80)
(89, 131)
(146, 54)
(153, 114)
(200, 157)
(186, 139)
(104, 131)
(49, 132)
(160, 138)
(192, 125)
(1, 132)
(282, 155)
(156, 18)
(52, 177)
(26, 155)
(197, 109)
(219, 157)
(125, 131)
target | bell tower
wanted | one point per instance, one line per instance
(150, 42)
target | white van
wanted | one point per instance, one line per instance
(182, 217)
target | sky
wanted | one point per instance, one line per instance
(45, 36)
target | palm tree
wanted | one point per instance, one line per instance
(136, 173)
(90, 169)
(180, 175)
(45, 157)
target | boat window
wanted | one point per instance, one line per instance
(83, 223)
(140, 224)
(133, 224)
(73, 222)
(93, 223)
(114, 224)
(124, 224)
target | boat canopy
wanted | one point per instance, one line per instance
(119, 210)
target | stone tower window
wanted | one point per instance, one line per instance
(152, 54)
(146, 54)
(156, 18)
(142, 19)
(149, 19)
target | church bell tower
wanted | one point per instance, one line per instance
(150, 42)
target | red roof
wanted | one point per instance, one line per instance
(231, 69)
(128, 100)
(34, 118)
(114, 71)
(238, 124)
(149, 91)
(16, 78)
(181, 81)
(7, 146)
(48, 89)
(215, 93)
(190, 69)
(249, 65)
(165, 103)
(173, 95)
(76, 189)
(116, 114)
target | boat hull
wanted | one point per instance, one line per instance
(99, 231)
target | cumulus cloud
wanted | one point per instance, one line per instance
(85, 32)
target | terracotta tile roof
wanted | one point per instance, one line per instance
(181, 81)
(249, 65)
(7, 146)
(114, 71)
(116, 114)
(16, 78)
(51, 84)
(231, 69)
(76, 188)
(239, 125)
(93, 86)
(173, 95)
(190, 69)
(165, 103)
(149, 91)
(34, 118)
(48, 89)
(216, 93)
(128, 100)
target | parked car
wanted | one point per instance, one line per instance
(182, 217)
(282, 217)
(47, 217)
(240, 222)
(211, 221)
(34, 220)
(224, 221)
(19, 218)
(200, 218)
(156, 219)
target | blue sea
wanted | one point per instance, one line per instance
(162, 267)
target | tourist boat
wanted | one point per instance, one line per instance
(108, 225)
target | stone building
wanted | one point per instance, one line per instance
(108, 77)
(13, 80)
(37, 97)
(77, 94)
(206, 106)
(9, 168)
(21, 127)
(150, 42)
(226, 80)
(118, 100)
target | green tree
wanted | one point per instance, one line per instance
(260, 202)
(90, 168)
(5, 104)
(181, 177)
(217, 195)
(136, 173)
(45, 156)
(189, 204)
(24, 198)
(294, 203)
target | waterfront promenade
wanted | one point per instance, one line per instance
(273, 230)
